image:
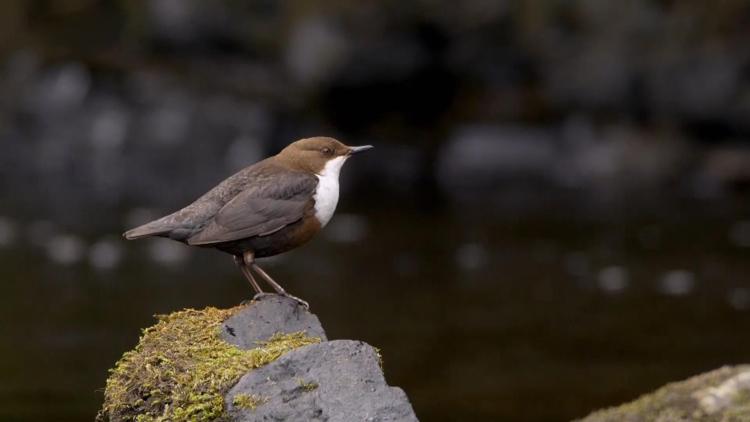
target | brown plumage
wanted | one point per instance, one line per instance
(263, 210)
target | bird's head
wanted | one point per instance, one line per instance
(319, 155)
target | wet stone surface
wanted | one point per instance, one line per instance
(267, 316)
(337, 380)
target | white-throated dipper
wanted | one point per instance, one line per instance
(268, 208)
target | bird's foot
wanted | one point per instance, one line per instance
(300, 301)
(261, 295)
(258, 296)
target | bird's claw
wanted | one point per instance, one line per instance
(300, 301)
(261, 295)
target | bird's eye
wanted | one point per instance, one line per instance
(327, 151)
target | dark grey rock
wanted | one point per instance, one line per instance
(333, 381)
(267, 316)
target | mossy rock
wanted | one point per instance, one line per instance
(182, 367)
(269, 360)
(722, 395)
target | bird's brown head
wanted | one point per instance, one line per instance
(313, 154)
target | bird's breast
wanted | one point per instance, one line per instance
(326, 197)
(327, 192)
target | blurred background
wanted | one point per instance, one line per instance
(556, 210)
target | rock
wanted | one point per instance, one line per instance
(267, 316)
(719, 395)
(332, 381)
(267, 360)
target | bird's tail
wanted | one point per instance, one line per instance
(154, 228)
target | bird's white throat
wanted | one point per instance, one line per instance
(327, 192)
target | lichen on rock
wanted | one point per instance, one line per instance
(181, 368)
(308, 386)
(336, 381)
(248, 401)
(722, 395)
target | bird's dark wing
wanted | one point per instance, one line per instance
(265, 206)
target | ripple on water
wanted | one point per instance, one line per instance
(105, 254)
(613, 279)
(65, 249)
(168, 252)
(677, 283)
(471, 256)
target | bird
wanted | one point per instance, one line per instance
(265, 209)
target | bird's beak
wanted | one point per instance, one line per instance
(357, 150)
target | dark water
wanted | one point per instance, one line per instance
(480, 317)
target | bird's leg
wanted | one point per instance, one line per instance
(240, 261)
(276, 286)
(245, 261)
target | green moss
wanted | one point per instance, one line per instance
(181, 368)
(248, 401)
(740, 409)
(307, 386)
(676, 402)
